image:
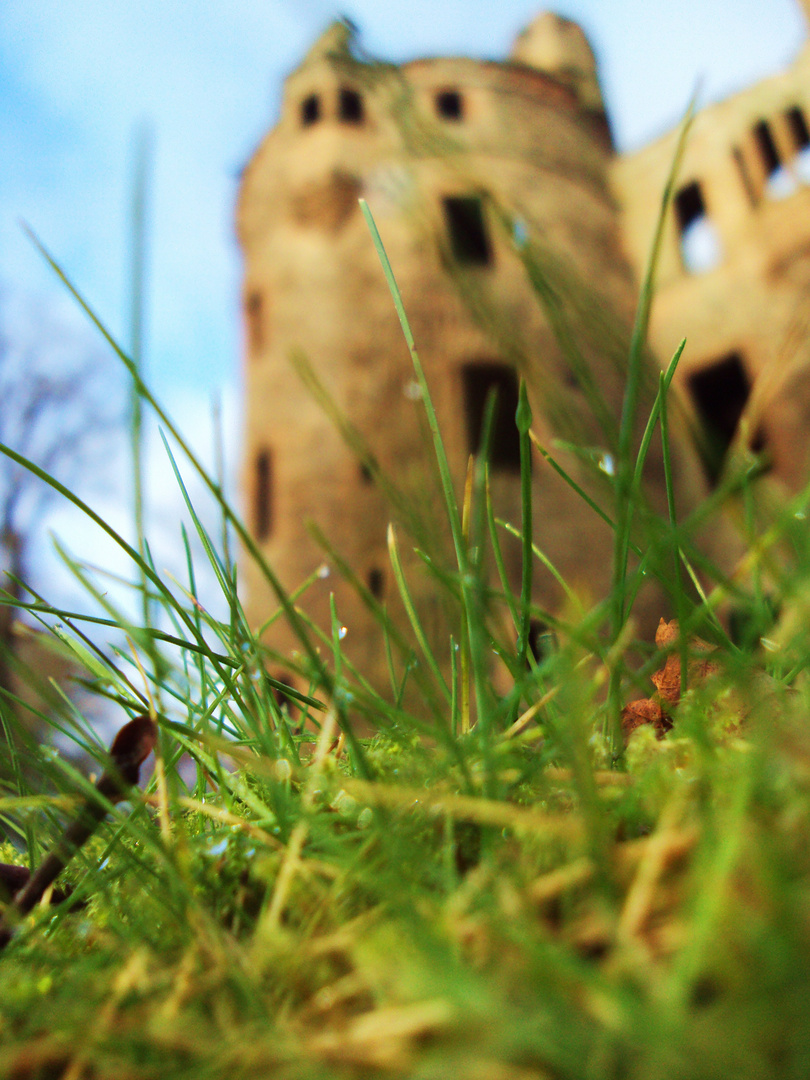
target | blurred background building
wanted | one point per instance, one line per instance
(519, 238)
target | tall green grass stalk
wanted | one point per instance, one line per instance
(625, 466)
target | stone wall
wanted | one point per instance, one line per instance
(735, 266)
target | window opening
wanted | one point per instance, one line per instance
(700, 245)
(689, 205)
(449, 105)
(366, 475)
(801, 140)
(287, 704)
(779, 181)
(798, 127)
(720, 392)
(469, 241)
(350, 106)
(766, 146)
(263, 508)
(376, 582)
(479, 380)
(253, 308)
(310, 110)
(542, 640)
(759, 440)
(745, 176)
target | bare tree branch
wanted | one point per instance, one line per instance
(61, 404)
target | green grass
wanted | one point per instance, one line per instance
(491, 888)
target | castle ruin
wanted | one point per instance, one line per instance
(518, 238)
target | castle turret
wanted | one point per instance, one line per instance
(559, 47)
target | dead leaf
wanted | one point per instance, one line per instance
(667, 680)
(644, 711)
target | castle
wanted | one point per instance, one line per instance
(518, 238)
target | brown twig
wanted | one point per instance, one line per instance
(130, 748)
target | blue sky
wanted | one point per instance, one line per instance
(77, 77)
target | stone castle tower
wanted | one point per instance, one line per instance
(481, 175)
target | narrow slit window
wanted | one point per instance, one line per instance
(758, 443)
(479, 381)
(376, 582)
(450, 105)
(720, 392)
(798, 127)
(763, 137)
(350, 106)
(263, 496)
(467, 229)
(745, 176)
(310, 110)
(700, 245)
(254, 309)
(779, 181)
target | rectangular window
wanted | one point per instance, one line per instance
(310, 110)
(263, 496)
(450, 105)
(479, 380)
(720, 392)
(350, 106)
(466, 226)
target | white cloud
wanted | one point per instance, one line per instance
(165, 507)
